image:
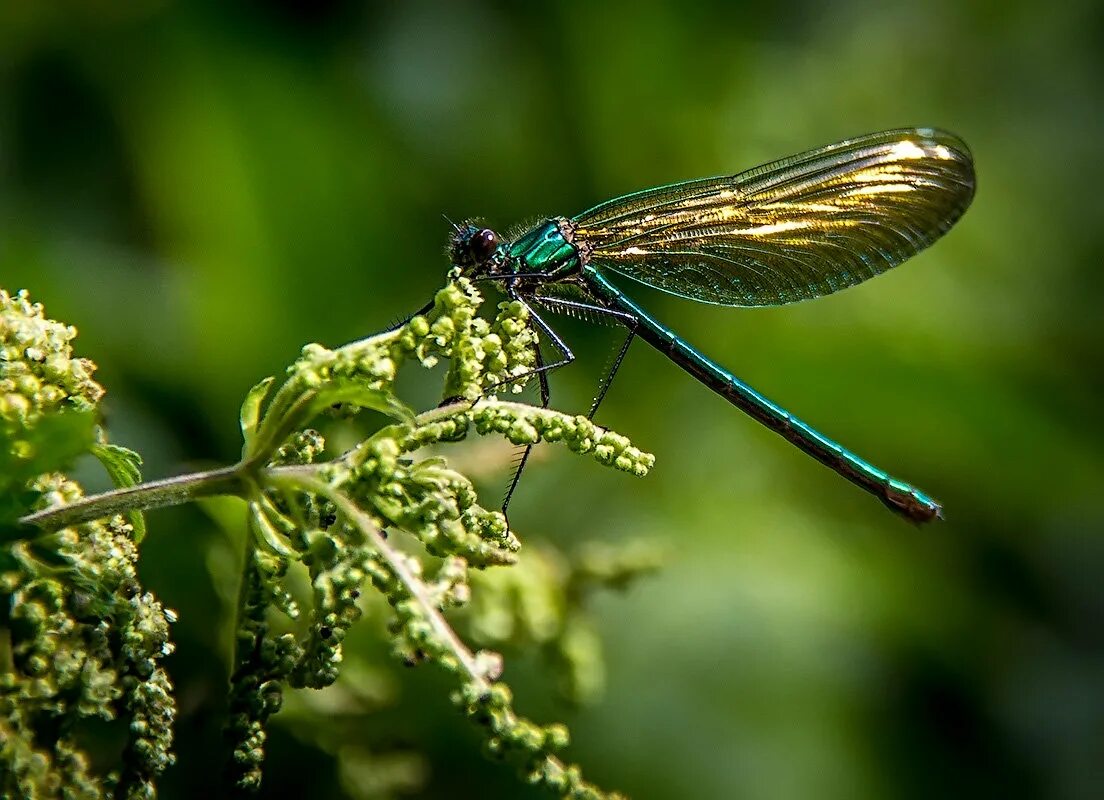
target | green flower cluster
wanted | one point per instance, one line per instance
(39, 375)
(86, 642)
(527, 425)
(534, 745)
(47, 397)
(263, 663)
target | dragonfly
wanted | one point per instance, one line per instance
(794, 229)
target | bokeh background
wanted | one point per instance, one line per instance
(203, 187)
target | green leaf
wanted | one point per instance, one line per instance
(251, 409)
(267, 533)
(357, 394)
(122, 465)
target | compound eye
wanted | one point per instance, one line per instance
(482, 245)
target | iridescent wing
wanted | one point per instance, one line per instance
(795, 229)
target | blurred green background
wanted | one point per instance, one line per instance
(203, 187)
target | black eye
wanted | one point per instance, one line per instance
(482, 245)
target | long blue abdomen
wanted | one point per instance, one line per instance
(897, 495)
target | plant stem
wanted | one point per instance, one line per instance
(155, 494)
(173, 491)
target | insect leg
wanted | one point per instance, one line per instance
(541, 371)
(420, 312)
(576, 308)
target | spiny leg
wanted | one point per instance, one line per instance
(607, 379)
(541, 371)
(583, 310)
(595, 313)
(545, 396)
(419, 313)
(566, 356)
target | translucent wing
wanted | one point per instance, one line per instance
(795, 229)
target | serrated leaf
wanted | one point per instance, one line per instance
(122, 465)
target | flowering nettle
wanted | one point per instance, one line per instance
(88, 641)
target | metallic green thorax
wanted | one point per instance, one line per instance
(548, 249)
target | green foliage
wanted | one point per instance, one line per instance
(123, 464)
(388, 514)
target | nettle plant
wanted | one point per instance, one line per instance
(83, 641)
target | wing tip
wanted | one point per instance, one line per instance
(952, 142)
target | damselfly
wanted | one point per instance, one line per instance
(794, 229)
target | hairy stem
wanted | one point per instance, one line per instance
(154, 494)
(175, 491)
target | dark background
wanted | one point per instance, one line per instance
(204, 187)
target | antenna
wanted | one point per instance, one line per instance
(455, 227)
